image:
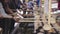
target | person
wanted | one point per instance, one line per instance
(30, 8)
(38, 2)
(7, 23)
(30, 4)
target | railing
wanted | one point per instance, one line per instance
(29, 20)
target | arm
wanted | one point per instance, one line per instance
(7, 8)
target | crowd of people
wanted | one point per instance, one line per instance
(9, 7)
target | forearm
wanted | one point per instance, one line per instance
(9, 11)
